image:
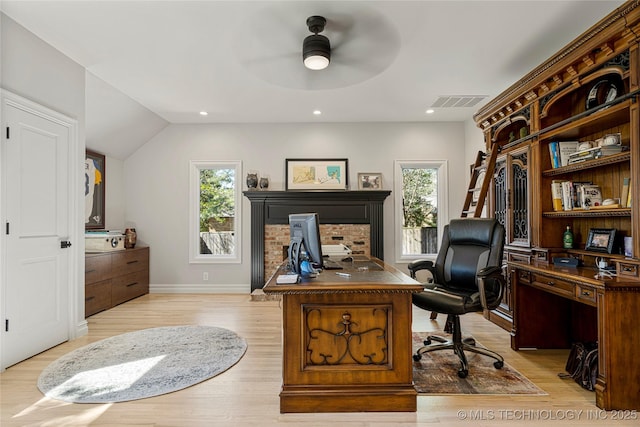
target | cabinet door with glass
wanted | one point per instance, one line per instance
(511, 196)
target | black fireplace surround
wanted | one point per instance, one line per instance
(333, 207)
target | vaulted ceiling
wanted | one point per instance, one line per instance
(241, 61)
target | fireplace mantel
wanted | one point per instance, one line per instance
(333, 207)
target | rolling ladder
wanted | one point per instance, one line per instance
(477, 192)
(476, 196)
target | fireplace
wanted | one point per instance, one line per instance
(336, 209)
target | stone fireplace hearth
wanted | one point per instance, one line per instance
(353, 218)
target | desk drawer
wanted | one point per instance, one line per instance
(627, 269)
(586, 294)
(553, 285)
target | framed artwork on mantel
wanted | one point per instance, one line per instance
(369, 181)
(94, 190)
(317, 174)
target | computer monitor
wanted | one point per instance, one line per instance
(305, 243)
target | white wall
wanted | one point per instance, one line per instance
(34, 70)
(156, 177)
(114, 194)
(474, 142)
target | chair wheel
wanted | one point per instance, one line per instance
(462, 373)
(417, 357)
(498, 364)
(427, 342)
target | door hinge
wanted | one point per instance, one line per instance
(6, 325)
(8, 132)
(7, 230)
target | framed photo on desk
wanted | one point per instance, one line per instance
(601, 240)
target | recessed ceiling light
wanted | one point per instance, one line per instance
(203, 113)
(317, 112)
(430, 111)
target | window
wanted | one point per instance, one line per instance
(214, 212)
(421, 207)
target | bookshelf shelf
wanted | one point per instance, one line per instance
(589, 213)
(589, 164)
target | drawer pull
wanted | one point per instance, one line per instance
(628, 269)
(132, 284)
(551, 283)
(89, 299)
(132, 262)
(586, 293)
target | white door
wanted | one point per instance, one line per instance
(36, 206)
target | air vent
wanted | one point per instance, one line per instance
(457, 101)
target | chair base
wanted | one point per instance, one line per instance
(459, 346)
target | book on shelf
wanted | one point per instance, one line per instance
(554, 154)
(591, 196)
(556, 194)
(570, 193)
(625, 191)
(565, 149)
(628, 204)
(595, 153)
(577, 194)
(567, 196)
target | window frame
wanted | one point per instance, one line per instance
(443, 204)
(195, 257)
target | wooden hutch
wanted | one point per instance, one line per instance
(587, 91)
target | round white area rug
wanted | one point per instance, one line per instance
(141, 364)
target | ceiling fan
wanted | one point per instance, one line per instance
(363, 43)
(316, 49)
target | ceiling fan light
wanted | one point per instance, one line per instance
(316, 52)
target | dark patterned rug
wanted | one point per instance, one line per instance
(437, 373)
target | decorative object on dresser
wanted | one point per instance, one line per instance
(103, 241)
(130, 238)
(112, 278)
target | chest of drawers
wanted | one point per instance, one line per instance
(112, 278)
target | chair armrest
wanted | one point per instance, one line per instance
(420, 264)
(494, 273)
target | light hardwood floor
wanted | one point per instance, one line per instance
(247, 394)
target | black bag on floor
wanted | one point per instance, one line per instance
(582, 364)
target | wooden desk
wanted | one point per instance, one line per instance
(347, 341)
(555, 306)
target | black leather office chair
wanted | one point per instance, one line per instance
(467, 277)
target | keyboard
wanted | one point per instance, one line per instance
(329, 264)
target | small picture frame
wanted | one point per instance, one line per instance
(369, 181)
(601, 240)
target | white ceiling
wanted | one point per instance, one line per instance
(241, 60)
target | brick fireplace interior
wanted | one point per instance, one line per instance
(351, 218)
(276, 241)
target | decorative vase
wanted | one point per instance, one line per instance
(264, 183)
(130, 237)
(252, 180)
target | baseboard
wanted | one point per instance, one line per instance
(82, 329)
(200, 289)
